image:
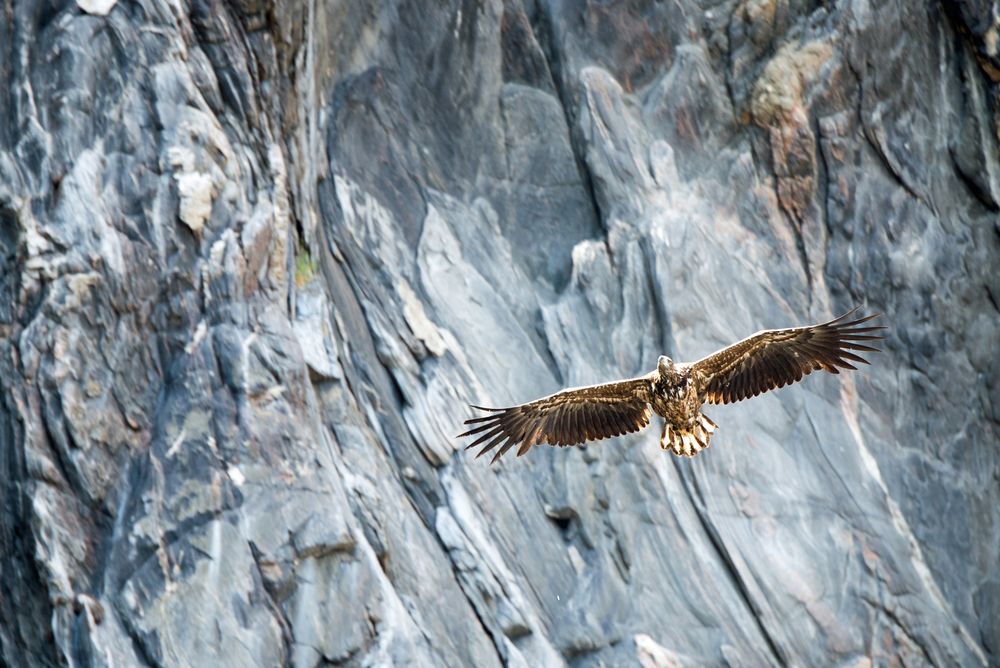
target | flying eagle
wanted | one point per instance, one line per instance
(767, 360)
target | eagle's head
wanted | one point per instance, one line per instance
(665, 366)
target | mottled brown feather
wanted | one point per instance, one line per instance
(777, 357)
(565, 418)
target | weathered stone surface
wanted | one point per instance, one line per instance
(256, 257)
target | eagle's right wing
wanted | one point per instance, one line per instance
(778, 357)
(565, 418)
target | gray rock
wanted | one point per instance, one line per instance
(256, 258)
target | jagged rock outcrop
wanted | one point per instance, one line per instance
(256, 257)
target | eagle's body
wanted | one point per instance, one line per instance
(678, 395)
(761, 362)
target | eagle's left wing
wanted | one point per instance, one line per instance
(777, 357)
(565, 418)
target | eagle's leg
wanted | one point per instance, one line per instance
(663, 437)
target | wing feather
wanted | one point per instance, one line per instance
(488, 435)
(564, 418)
(777, 357)
(586, 429)
(557, 429)
(615, 423)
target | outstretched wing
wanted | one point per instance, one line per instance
(778, 357)
(565, 418)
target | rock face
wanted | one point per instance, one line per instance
(257, 257)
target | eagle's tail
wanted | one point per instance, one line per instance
(688, 442)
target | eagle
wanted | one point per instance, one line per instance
(769, 359)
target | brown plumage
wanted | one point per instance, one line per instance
(764, 361)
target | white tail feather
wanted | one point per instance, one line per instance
(688, 442)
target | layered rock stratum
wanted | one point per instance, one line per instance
(256, 257)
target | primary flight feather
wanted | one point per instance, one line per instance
(766, 360)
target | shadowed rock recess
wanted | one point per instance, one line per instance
(256, 257)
